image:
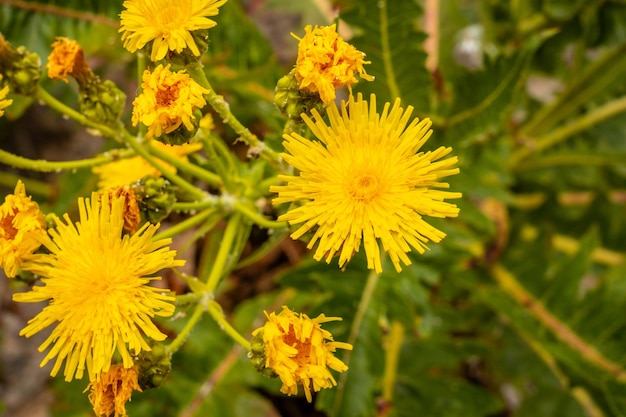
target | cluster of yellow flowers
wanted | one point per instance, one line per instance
(362, 180)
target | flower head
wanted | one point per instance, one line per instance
(366, 180)
(22, 225)
(300, 351)
(67, 58)
(95, 280)
(168, 24)
(112, 390)
(129, 170)
(326, 62)
(168, 100)
(4, 102)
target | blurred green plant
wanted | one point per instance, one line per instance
(518, 312)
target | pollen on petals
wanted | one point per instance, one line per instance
(166, 23)
(299, 351)
(326, 62)
(111, 390)
(22, 228)
(167, 101)
(365, 181)
(95, 279)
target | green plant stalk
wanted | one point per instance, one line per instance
(366, 297)
(392, 357)
(383, 22)
(55, 104)
(550, 161)
(219, 104)
(201, 231)
(187, 167)
(42, 165)
(184, 333)
(196, 205)
(512, 287)
(224, 251)
(186, 224)
(257, 218)
(215, 310)
(597, 77)
(9, 179)
(582, 123)
(174, 178)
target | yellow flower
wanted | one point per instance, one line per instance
(365, 180)
(300, 351)
(4, 103)
(167, 101)
(67, 58)
(326, 62)
(127, 171)
(95, 280)
(166, 23)
(112, 390)
(22, 226)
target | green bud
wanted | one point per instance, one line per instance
(257, 356)
(155, 196)
(21, 68)
(153, 366)
(101, 101)
(292, 102)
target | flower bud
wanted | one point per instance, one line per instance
(153, 366)
(155, 196)
(21, 69)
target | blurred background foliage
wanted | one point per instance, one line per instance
(518, 312)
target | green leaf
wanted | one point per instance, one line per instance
(387, 32)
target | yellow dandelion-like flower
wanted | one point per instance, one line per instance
(95, 279)
(365, 180)
(326, 62)
(22, 225)
(112, 390)
(130, 170)
(166, 23)
(4, 102)
(167, 101)
(67, 58)
(300, 351)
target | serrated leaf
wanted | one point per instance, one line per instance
(387, 32)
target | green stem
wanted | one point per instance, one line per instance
(390, 75)
(185, 166)
(219, 104)
(47, 166)
(215, 310)
(174, 178)
(224, 252)
(209, 201)
(191, 323)
(582, 123)
(550, 161)
(257, 218)
(186, 224)
(510, 285)
(9, 179)
(392, 356)
(55, 104)
(366, 297)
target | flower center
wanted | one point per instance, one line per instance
(171, 17)
(168, 95)
(303, 347)
(7, 230)
(364, 187)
